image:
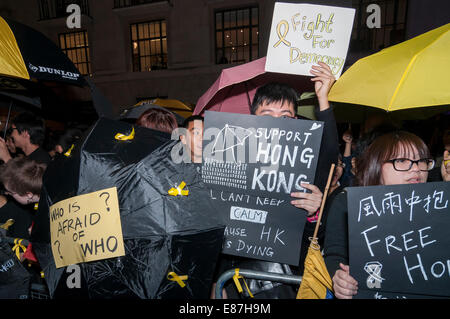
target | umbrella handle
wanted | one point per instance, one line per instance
(324, 198)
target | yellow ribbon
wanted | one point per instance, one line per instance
(179, 190)
(36, 206)
(280, 36)
(7, 224)
(172, 276)
(18, 246)
(123, 137)
(69, 150)
(236, 278)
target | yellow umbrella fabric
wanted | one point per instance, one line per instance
(411, 74)
(316, 281)
(11, 60)
(173, 105)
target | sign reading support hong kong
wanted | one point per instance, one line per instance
(303, 35)
(398, 240)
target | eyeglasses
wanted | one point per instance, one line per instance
(405, 164)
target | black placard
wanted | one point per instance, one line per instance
(260, 227)
(259, 155)
(398, 239)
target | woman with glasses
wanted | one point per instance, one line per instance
(397, 157)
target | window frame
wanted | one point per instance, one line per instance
(85, 47)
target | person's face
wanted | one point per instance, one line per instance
(10, 144)
(18, 138)
(193, 140)
(276, 109)
(21, 199)
(390, 176)
(338, 171)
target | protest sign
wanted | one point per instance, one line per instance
(86, 228)
(398, 241)
(259, 155)
(301, 35)
(260, 227)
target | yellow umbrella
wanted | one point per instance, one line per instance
(175, 106)
(316, 282)
(410, 74)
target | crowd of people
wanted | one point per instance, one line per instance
(381, 154)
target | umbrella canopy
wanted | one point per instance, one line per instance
(172, 105)
(411, 74)
(28, 54)
(162, 234)
(235, 88)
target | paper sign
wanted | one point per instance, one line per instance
(303, 34)
(86, 228)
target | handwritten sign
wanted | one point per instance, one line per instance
(86, 228)
(259, 155)
(260, 227)
(398, 239)
(303, 34)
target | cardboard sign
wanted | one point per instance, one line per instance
(260, 227)
(86, 228)
(303, 34)
(259, 155)
(398, 239)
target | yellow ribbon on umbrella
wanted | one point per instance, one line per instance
(236, 278)
(18, 246)
(123, 137)
(179, 190)
(69, 150)
(7, 224)
(172, 276)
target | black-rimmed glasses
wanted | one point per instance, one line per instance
(405, 164)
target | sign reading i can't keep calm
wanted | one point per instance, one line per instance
(86, 228)
(303, 34)
(398, 240)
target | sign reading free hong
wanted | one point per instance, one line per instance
(398, 239)
(86, 228)
(303, 34)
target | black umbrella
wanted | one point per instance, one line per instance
(134, 112)
(165, 236)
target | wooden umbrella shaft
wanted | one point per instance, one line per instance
(330, 176)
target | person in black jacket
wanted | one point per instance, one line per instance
(280, 100)
(397, 157)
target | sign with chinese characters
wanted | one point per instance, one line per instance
(304, 34)
(398, 239)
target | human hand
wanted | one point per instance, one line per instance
(344, 285)
(324, 80)
(347, 137)
(308, 201)
(445, 166)
(4, 152)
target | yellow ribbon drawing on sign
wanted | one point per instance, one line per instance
(179, 190)
(172, 276)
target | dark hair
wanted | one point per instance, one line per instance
(273, 92)
(383, 148)
(158, 119)
(68, 138)
(22, 175)
(33, 124)
(192, 118)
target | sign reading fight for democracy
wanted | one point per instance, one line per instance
(398, 240)
(86, 228)
(303, 35)
(259, 155)
(252, 164)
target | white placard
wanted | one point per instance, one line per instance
(304, 34)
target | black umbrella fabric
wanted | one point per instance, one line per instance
(170, 241)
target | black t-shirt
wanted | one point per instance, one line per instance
(22, 220)
(40, 156)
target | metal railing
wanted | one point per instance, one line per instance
(130, 3)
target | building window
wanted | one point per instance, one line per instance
(393, 15)
(149, 46)
(52, 9)
(76, 46)
(130, 3)
(237, 35)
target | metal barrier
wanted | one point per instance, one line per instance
(253, 274)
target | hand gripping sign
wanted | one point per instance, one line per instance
(86, 228)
